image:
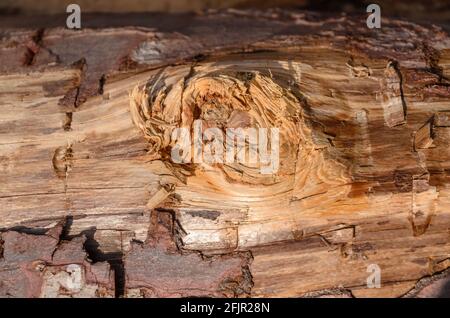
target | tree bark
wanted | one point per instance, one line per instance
(364, 121)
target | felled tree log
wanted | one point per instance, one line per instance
(363, 179)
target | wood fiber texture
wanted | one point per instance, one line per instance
(85, 125)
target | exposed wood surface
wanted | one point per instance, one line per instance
(85, 124)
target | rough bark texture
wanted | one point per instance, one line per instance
(86, 118)
(38, 263)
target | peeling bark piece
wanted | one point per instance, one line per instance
(157, 269)
(423, 138)
(41, 265)
(435, 286)
(14, 50)
(439, 288)
(160, 274)
(392, 99)
(21, 248)
(70, 252)
(72, 50)
(160, 195)
(19, 282)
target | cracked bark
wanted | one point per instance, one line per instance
(38, 263)
(158, 268)
(364, 162)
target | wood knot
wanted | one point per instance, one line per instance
(62, 161)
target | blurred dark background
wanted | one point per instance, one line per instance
(430, 11)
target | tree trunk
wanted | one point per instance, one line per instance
(363, 179)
